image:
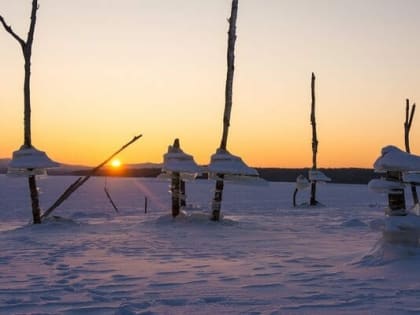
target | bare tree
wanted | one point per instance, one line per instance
(217, 199)
(409, 115)
(27, 53)
(313, 200)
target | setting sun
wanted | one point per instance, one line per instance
(116, 163)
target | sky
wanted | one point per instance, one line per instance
(104, 71)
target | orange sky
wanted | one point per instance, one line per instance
(104, 71)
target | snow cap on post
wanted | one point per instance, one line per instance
(222, 162)
(394, 159)
(381, 185)
(28, 161)
(411, 177)
(175, 160)
(318, 176)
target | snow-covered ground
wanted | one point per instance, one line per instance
(265, 257)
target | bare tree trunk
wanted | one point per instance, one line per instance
(218, 193)
(313, 200)
(407, 126)
(27, 53)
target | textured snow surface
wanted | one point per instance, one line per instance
(265, 257)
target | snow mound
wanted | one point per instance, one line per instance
(384, 253)
(353, 223)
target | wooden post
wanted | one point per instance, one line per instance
(294, 197)
(36, 211)
(183, 196)
(175, 191)
(313, 200)
(218, 193)
(396, 199)
(409, 114)
(145, 204)
(175, 187)
(27, 53)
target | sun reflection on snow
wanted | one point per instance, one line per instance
(149, 193)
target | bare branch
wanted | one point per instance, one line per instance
(31, 31)
(9, 30)
(413, 110)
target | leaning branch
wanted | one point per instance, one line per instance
(413, 110)
(81, 180)
(9, 30)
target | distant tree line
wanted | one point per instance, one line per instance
(339, 175)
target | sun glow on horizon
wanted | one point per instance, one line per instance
(116, 163)
(165, 90)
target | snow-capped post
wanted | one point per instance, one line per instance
(218, 193)
(27, 52)
(175, 186)
(178, 166)
(409, 115)
(313, 200)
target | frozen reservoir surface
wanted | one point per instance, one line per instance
(265, 257)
